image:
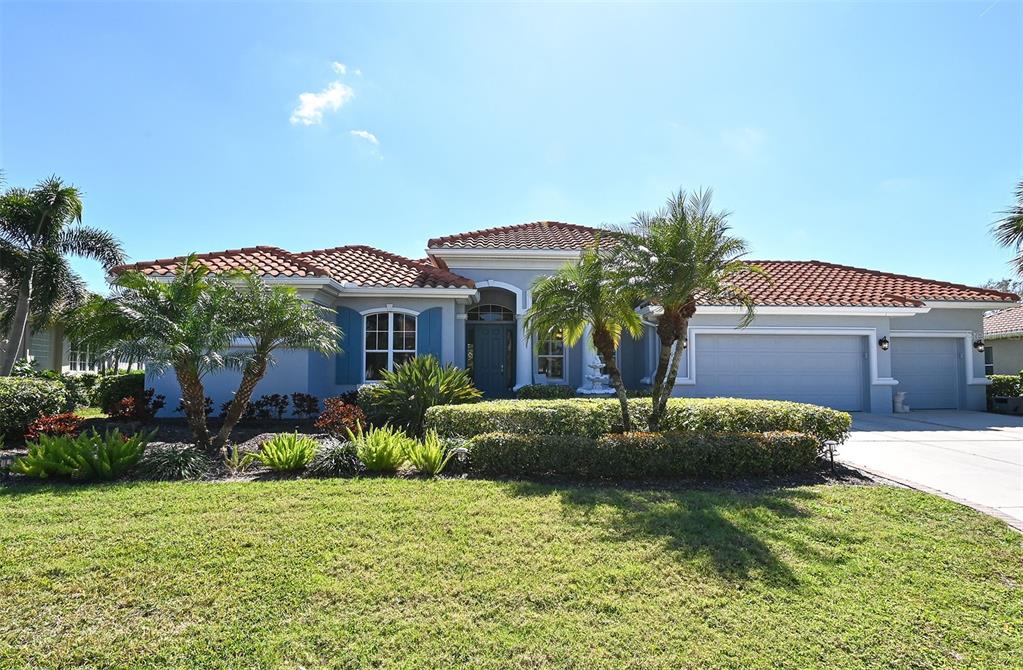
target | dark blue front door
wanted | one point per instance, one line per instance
(491, 347)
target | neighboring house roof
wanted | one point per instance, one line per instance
(367, 266)
(360, 265)
(1004, 323)
(536, 235)
(816, 283)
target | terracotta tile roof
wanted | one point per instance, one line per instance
(1004, 323)
(367, 266)
(536, 235)
(361, 265)
(816, 283)
(270, 261)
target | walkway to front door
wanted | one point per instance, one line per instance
(491, 350)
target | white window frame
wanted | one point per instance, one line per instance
(390, 350)
(563, 356)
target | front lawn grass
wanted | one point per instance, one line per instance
(475, 574)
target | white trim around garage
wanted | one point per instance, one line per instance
(967, 337)
(869, 333)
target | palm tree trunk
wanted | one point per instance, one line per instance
(18, 327)
(193, 399)
(604, 345)
(253, 375)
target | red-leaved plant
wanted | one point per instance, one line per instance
(338, 417)
(138, 409)
(57, 424)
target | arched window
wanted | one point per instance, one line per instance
(490, 313)
(390, 341)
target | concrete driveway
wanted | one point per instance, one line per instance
(975, 456)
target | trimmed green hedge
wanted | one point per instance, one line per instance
(593, 418)
(644, 455)
(1005, 385)
(545, 392)
(113, 388)
(25, 399)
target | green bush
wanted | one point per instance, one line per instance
(286, 452)
(25, 399)
(112, 388)
(1005, 385)
(644, 455)
(405, 394)
(89, 456)
(80, 388)
(380, 449)
(596, 417)
(429, 455)
(174, 461)
(335, 458)
(545, 392)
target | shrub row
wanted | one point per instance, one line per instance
(25, 399)
(594, 418)
(644, 455)
(112, 389)
(1005, 385)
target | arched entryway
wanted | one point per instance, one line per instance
(490, 342)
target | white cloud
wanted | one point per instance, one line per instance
(365, 135)
(745, 141)
(311, 106)
(340, 68)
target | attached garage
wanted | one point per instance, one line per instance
(928, 370)
(830, 370)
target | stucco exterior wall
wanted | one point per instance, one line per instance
(1007, 355)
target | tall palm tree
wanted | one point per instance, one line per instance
(1009, 229)
(673, 256)
(39, 228)
(584, 294)
(271, 318)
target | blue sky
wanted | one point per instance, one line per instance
(880, 135)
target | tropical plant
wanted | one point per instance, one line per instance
(57, 424)
(89, 456)
(1009, 229)
(335, 458)
(235, 460)
(25, 399)
(286, 452)
(142, 408)
(415, 386)
(381, 449)
(271, 406)
(186, 324)
(39, 228)
(429, 455)
(305, 405)
(585, 295)
(271, 317)
(672, 256)
(339, 417)
(174, 461)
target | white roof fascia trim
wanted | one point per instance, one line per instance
(971, 304)
(397, 291)
(1011, 335)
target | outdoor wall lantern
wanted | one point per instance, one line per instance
(979, 345)
(884, 343)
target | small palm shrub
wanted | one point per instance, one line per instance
(271, 406)
(429, 455)
(174, 461)
(286, 452)
(339, 417)
(335, 458)
(305, 405)
(381, 449)
(89, 456)
(417, 385)
(58, 424)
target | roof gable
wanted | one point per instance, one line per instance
(366, 266)
(538, 235)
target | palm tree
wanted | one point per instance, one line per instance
(584, 294)
(39, 227)
(672, 257)
(271, 318)
(187, 324)
(1009, 230)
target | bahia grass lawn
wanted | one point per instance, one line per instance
(475, 574)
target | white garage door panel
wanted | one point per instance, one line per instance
(927, 369)
(821, 369)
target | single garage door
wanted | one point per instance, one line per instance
(927, 369)
(828, 370)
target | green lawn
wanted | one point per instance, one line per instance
(414, 574)
(90, 413)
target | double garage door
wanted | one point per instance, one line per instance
(830, 370)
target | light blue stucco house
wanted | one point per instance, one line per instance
(845, 337)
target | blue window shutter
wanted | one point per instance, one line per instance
(428, 327)
(349, 361)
